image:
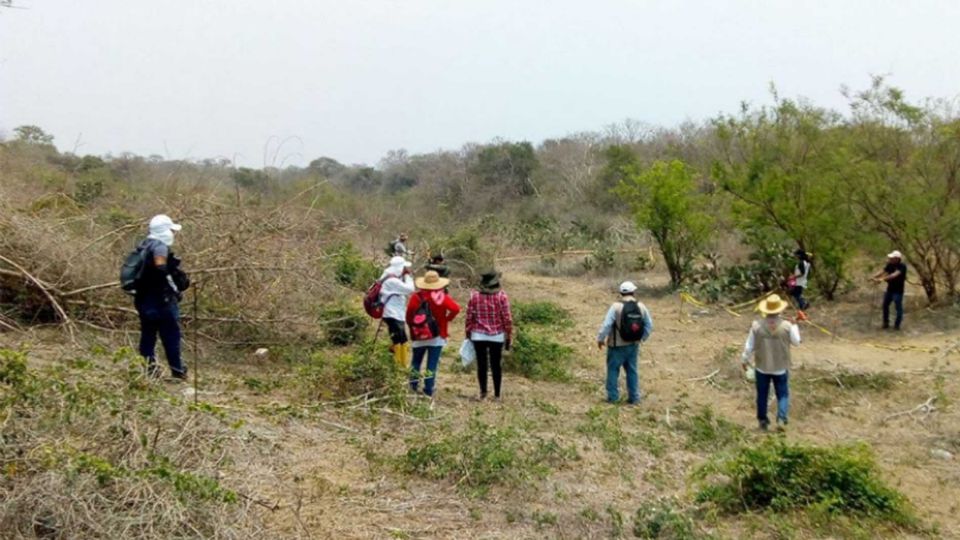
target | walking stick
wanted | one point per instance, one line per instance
(196, 348)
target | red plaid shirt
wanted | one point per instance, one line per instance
(489, 314)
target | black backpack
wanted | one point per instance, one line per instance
(630, 326)
(132, 269)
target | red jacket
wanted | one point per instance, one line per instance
(444, 312)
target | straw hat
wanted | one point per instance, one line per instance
(431, 281)
(772, 305)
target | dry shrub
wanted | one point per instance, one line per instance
(93, 450)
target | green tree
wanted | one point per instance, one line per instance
(665, 201)
(33, 135)
(904, 170)
(510, 165)
(252, 179)
(621, 161)
(780, 166)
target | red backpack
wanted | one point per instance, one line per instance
(371, 301)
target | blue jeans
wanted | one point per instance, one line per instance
(781, 388)
(897, 300)
(624, 357)
(157, 317)
(433, 363)
(797, 294)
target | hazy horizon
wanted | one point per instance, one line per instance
(352, 81)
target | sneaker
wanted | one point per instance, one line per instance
(481, 397)
(801, 316)
(764, 425)
(781, 425)
(182, 375)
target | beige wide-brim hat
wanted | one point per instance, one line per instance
(772, 305)
(431, 281)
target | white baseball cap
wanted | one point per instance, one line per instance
(627, 287)
(399, 263)
(894, 255)
(162, 223)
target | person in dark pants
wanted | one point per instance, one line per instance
(158, 295)
(489, 325)
(801, 275)
(438, 264)
(769, 342)
(895, 274)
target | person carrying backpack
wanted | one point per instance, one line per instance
(396, 287)
(157, 290)
(429, 314)
(489, 326)
(769, 342)
(626, 325)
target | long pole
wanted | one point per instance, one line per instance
(196, 348)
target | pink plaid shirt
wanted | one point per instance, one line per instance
(489, 314)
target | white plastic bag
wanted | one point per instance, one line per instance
(468, 355)
(751, 374)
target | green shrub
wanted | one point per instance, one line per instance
(368, 369)
(778, 476)
(343, 325)
(603, 423)
(661, 519)
(464, 250)
(352, 270)
(540, 313)
(482, 456)
(706, 431)
(539, 358)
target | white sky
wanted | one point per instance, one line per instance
(352, 79)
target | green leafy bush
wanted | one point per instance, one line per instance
(369, 368)
(351, 269)
(482, 456)
(706, 431)
(762, 273)
(661, 519)
(343, 325)
(539, 358)
(779, 476)
(540, 313)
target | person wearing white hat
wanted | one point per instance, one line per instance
(157, 296)
(394, 293)
(895, 274)
(769, 342)
(626, 325)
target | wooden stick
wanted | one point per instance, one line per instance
(705, 377)
(925, 407)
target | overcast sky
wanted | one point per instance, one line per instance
(352, 79)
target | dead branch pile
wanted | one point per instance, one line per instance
(261, 273)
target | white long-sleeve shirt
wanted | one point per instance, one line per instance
(751, 344)
(394, 293)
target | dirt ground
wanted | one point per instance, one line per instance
(324, 475)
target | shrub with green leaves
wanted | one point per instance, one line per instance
(368, 369)
(707, 431)
(481, 456)
(351, 269)
(540, 313)
(538, 357)
(778, 476)
(342, 324)
(661, 519)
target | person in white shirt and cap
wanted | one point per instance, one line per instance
(769, 342)
(397, 286)
(626, 325)
(895, 276)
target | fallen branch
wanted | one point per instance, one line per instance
(65, 319)
(708, 377)
(926, 407)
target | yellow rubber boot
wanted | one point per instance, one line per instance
(400, 354)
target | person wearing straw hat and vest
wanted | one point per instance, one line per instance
(626, 325)
(428, 315)
(157, 297)
(895, 274)
(489, 326)
(769, 342)
(397, 286)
